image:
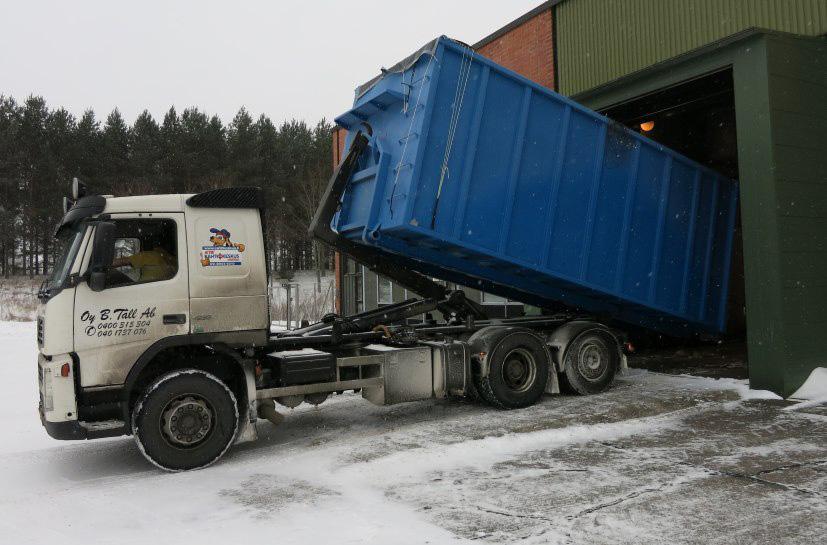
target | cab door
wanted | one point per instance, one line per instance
(145, 299)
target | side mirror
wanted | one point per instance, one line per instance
(103, 252)
(78, 189)
(97, 280)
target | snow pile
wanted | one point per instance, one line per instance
(739, 386)
(815, 387)
(813, 392)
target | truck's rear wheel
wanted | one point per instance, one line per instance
(591, 363)
(185, 420)
(517, 371)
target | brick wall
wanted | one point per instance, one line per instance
(339, 135)
(527, 49)
(338, 149)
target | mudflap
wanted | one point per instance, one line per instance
(247, 431)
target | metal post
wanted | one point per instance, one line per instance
(298, 302)
(287, 286)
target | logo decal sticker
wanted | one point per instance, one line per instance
(222, 251)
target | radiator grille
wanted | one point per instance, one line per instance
(40, 331)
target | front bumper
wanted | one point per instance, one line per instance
(58, 405)
(65, 431)
(58, 401)
(74, 430)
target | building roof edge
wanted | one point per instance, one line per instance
(500, 32)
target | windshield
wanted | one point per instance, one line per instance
(67, 242)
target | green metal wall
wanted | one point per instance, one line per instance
(602, 40)
(797, 89)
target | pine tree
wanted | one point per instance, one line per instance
(145, 154)
(87, 153)
(35, 175)
(60, 130)
(241, 147)
(115, 154)
(10, 186)
(170, 162)
(215, 154)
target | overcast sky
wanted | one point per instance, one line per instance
(286, 59)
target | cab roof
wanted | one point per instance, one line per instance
(146, 203)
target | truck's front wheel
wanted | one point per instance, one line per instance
(185, 420)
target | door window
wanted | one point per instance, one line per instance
(145, 251)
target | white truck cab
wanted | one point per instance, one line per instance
(138, 277)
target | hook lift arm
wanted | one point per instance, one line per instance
(398, 268)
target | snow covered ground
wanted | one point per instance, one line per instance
(310, 300)
(19, 297)
(658, 459)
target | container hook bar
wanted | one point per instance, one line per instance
(397, 268)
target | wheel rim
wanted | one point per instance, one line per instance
(592, 360)
(519, 370)
(187, 421)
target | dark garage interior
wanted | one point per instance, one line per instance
(695, 118)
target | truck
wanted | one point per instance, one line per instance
(155, 321)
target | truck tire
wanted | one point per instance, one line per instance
(590, 363)
(185, 420)
(518, 368)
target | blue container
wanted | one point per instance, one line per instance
(492, 181)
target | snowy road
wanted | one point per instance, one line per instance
(658, 459)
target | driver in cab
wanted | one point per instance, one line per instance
(149, 265)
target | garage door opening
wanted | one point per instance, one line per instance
(696, 118)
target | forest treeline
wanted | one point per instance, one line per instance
(42, 149)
